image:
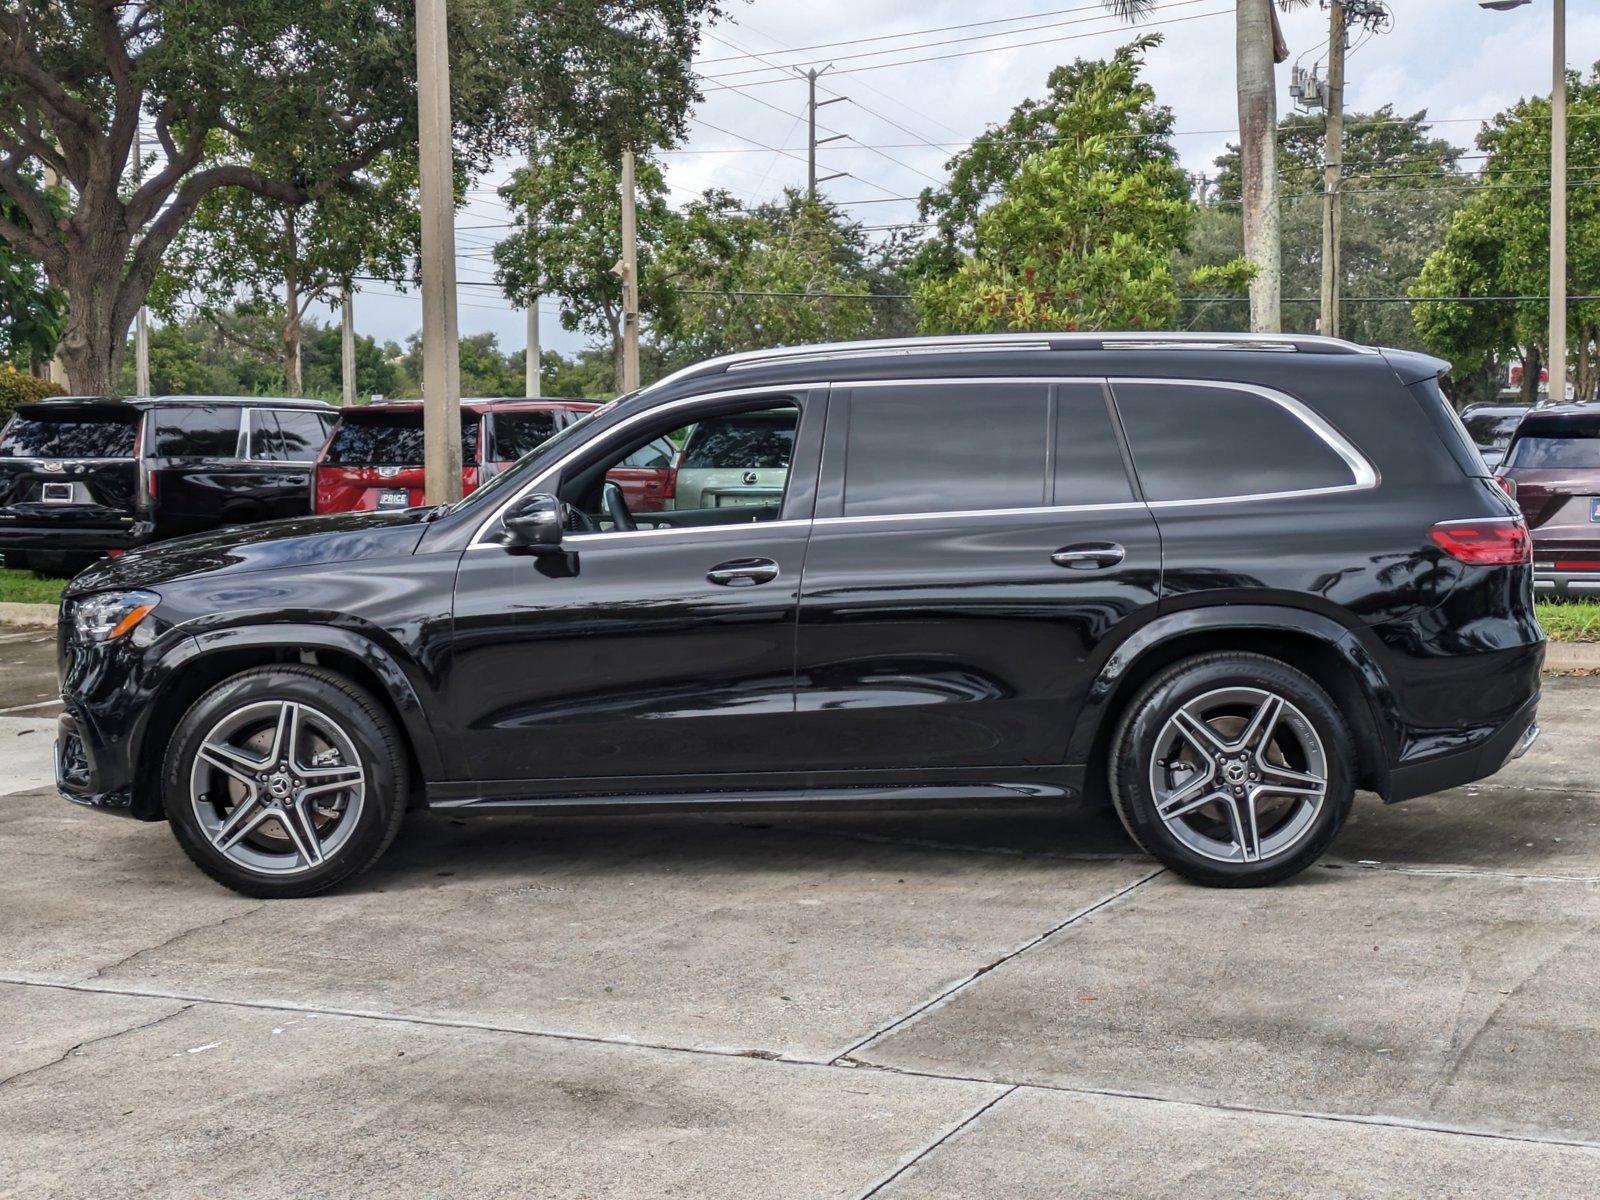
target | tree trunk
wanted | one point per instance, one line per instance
(1532, 364)
(1258, 161)
(292, 377)
(95, 339)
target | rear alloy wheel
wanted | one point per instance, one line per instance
(1233, 769)
(272, 794)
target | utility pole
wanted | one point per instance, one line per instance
(141, 322)
(58, 369)
(1557, 357)
(530, 365)
(1333, 164)
(812, 141)
(347, 345)
(1256, 48)
(441, 350)
(628, 268)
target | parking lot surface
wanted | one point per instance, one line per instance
(1010, 1003)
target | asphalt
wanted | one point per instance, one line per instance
(1005, 1003)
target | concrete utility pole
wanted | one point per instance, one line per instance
(347, 345)
(1258, 160)
(628, 268)
(58, 369)
(141, 323)
(441, 350)
(1333, 165)
(530, 366)
(812, 141)
(1558, 208)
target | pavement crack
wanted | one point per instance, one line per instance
(167, 941)
(104, 1037)
(961, 984)
(961, 1125)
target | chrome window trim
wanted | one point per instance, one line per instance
(1365, 476)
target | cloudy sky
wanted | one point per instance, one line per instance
(920, 80)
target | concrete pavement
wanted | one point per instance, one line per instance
(956, 1004)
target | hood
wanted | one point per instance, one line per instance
(274, 545)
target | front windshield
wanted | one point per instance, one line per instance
(532, 463)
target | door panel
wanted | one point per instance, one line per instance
(624, 658)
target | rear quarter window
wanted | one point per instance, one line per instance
(69, 436)
(1194, 441)
(196, 431)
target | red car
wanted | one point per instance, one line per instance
(374, 458)
(1552, 468)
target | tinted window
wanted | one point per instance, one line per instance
(70, 437)
(1193, 442)
(945, 448)
(197, 431)
(1089, 466)
(285, 435)
(1537, 453)
(762, 441)
(516, 434)
(1490, 432)
(391, 439)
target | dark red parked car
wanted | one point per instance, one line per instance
(1553, 469)
(374, 458)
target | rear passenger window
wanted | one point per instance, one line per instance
(1089, 466)
(946, 448)
(197, 431)
(285, 435)
(1193, 442)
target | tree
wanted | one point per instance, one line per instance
(31, 310)
(1498, 244)
(1083, 235)
(288, 257)
(567, 235)
(780, 274)
(290, 101)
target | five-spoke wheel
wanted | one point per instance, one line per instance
(1233, 769)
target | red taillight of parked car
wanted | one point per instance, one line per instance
(1508, 486)
(1489, 542)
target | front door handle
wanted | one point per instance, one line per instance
(743, 572)
(1089, 556)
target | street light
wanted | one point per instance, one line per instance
(1557, 350)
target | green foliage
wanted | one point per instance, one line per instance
(485, 371)
(32, 312)
(1498, 245)
(18, 387)
(1570, 621)
(1084, 230)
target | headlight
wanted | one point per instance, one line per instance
(110, 615)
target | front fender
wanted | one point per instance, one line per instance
(1127, 659)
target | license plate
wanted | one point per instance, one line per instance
(1594, 510)
(57, 493)
(394, 498)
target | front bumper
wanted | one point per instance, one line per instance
(1482, 758)
(89, 771)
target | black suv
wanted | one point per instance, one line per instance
(84, 477)
(1228, 580)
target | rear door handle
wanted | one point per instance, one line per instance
(743, 572)
(1089, 556)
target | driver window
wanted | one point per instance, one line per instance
(725, 468)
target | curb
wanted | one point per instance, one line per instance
(1572, 656)
(28, 616)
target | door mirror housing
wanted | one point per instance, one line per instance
(534, 525)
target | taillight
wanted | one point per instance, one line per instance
(1508, 486)
(1489, 542)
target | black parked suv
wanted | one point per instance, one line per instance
(82, 477)
(1230, 580)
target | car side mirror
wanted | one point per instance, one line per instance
(534, 525)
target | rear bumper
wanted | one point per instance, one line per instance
(1486, 755)
(70, 539)
(1547, 581)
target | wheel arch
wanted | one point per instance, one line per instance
(1332, 655)
(205, 660)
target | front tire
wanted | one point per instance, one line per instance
(1233, 769)
(285, 781)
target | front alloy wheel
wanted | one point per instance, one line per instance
(272, 794)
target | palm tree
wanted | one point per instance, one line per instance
(1257, 44)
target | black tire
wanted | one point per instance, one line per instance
(1143, 734)
(325, 696)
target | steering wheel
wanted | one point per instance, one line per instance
(617, 507)
(576, 520)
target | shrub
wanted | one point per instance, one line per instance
(17, 387)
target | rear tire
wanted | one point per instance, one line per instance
(285, 781)
(1233, 769)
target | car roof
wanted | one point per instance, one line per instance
(141, 403)
(1496, 410)
(482, 404)
(1575, 419)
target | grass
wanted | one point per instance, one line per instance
(24, 587)
(1570, 621)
